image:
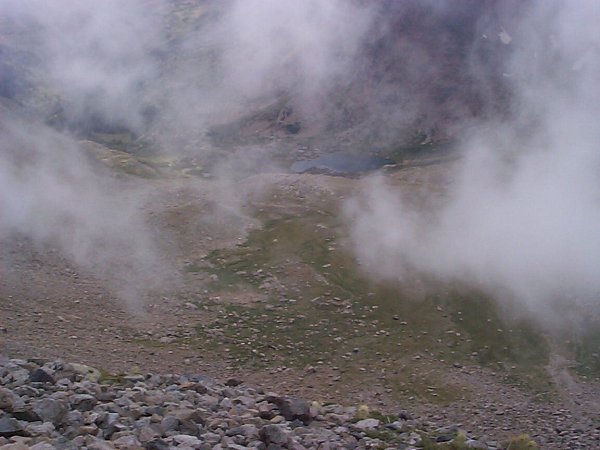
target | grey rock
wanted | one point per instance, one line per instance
(211, 438)
(147, 434)
(27, 414)
(86, 429)
(293, 408)
(157, 444)
(186, 439)
(15, 446)
(472, 443)
(10, 427)
(98, 444)
(249, 431)
(110, 419)
(190, 427)
(404, 415)
(273, 434)
(232, 382)
(266, 410)
(226, 403)
(209, 400)
(200, 388)
(83, 402)
(74, 418)
(50, 410)
(18, 377)
(398, 425)
(42, 446)
(278, 447)
(129, 442)
(367, 424)
(188, 414)
(37, 429)
(169, 423)
(9, 401)
(450, 429)
(245, 400)
(41, 376)
(296, 424)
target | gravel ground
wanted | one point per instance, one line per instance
(51, 309)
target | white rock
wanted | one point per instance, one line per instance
(366, 424)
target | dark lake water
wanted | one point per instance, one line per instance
(342, 163)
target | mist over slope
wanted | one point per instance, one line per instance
(521, 217)
(511, 84)
(55, 196)
(168, 200)
(381, 70)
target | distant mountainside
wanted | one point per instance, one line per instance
(415, 72)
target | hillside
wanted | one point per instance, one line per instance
(388, 204)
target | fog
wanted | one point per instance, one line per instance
(164, 71)
(521, 98)
(52, 195)
(521, 216)
(148, 66)
(94, 58)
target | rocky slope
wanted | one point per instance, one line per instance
(256, 277)
(268, 295)
(56, 405)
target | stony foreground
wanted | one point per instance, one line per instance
(71, 406)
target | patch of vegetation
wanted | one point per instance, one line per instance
(194, 268)
(110, 378)
(460, 442)
(419, 146)
(521, 442)
(428, 385)
(323, 309)
(585, 347)
(516, 347)
(363, 412)
(388, 436)
(383, 418)
(117, 141)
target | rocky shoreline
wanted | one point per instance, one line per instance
(57, 405)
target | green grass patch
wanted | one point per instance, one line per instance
(324, 309)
